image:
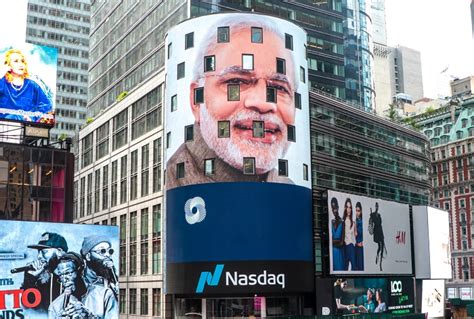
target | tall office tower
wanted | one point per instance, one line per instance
(340, 57)
(379, 30)
(472, 17)
(450, 130)
(64, 25)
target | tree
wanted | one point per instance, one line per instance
(392, 113)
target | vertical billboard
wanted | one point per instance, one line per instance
(54, 270)
(238, 181)
(28, 83)
(432, 244)
(433, 298)
(368, 235)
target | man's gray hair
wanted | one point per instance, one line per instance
(236, 22)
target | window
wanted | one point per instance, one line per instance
(282, 167)
(233, 92)
(180, 170)
(291, 133)
(144, 258)
(458, 148)
(257, 35)
(97, 191)
(249, 165)
(133, 259)
(180, 71)
(174, 103)
(223, 129)
(133, 175)
(446, 206)
(281, 66)
(302, 74)
(87, 150)
(156, 256)
(209, 166)
(157, 165)
(464, 123)
(169, 50)
(145, 172)
(305, 172)
(198, 95)
(122, 301)
(146, 113)
(258, 129)
(297, 100)
(133, 226)
(123, 181)
(271, 95)
(462, 203)
(156, 302)
(460, 176)
(89, 194)
(105, 187)
(132, 307)
(156, 222)
(120, 125)
(102, 136)
(209, 63)
(247, 61)
(144, 301)
(288, 41)
(222, 34)
(189, 40)
(168, 140)
(188, 133)
(113, 191)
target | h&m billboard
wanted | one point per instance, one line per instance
(368, 235)
(238, 198)
(28, 83)
(53, 270)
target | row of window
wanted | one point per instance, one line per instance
(110, 186)
(223, 36)
(223, 131)
(248, 168)
(144, 301)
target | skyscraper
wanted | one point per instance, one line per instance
(65, 26)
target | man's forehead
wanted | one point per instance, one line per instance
(66, 265)
(103, 244)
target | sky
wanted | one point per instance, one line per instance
(441, 30)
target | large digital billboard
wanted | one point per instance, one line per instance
(54, 270)
(432, 245)
(238, 179)
(28, 83)
(239, 237)
(368, 235)
(433, 298)
(374, 295)
(237, 101)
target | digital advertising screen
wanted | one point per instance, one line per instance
(28, 83)
(238, 177)
(374, 295)
(55, 270)
(368, 235)
(433, 298)
(432, 243)
(237, 101)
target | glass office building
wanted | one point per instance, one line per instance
(339, 43)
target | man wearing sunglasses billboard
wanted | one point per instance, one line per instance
(100, 270)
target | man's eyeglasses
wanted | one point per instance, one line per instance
(67, 273)
(103, 251)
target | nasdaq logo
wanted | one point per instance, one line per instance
(209, 278)
(198, 205)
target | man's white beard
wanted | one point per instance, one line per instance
(228, 149)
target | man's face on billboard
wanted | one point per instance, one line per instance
(46, 254)
(66, 271)
(252, 105)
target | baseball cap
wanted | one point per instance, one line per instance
(50, 240)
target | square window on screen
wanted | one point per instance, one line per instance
(209, 166)
(189, 133)
(288, 41)
(257, 35)
(189, 40)
(282, 167)
(280, 66)
(180, 71)
(258, 128)
(247, 61)
(271, 94)
(233, 92)
(174, 103)
(198, 95)
(222, 34)
(249, 166)
(223, 129)
(209, 63)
